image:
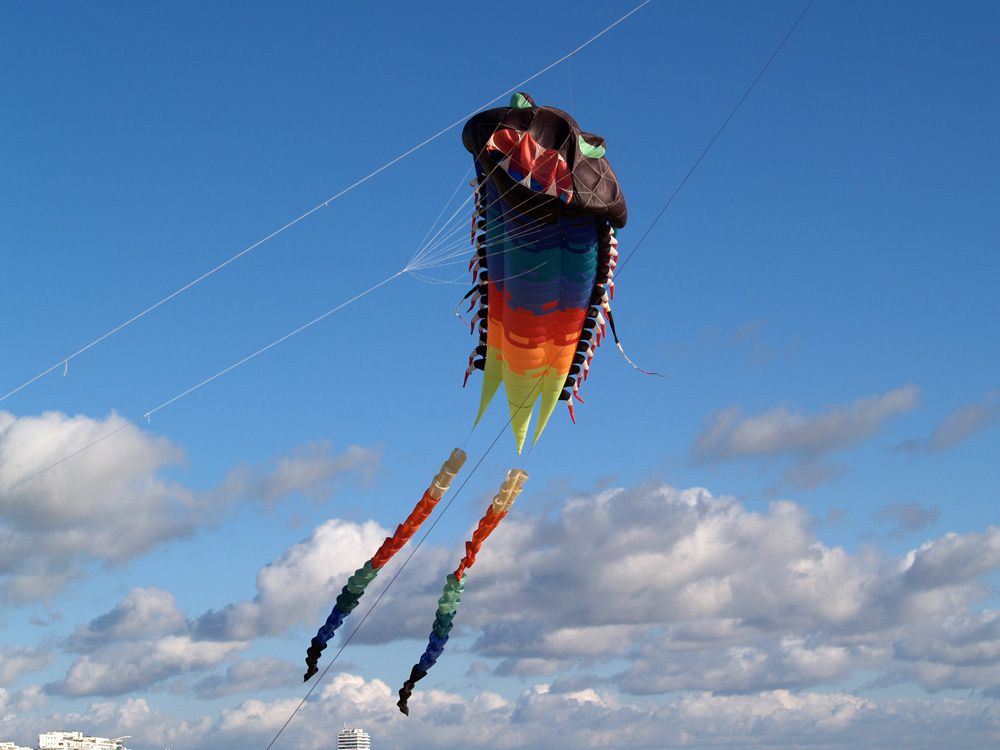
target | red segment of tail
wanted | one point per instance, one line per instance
(405, 530)
(486, 526)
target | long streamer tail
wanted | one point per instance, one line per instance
(451, 597)
(363, 576)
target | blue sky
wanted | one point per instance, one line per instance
(821, 299)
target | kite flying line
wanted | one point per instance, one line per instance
(64, 362)
(701, 156)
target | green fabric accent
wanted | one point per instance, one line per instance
(445, 618)
(442, 629)
(451, 597)
(351, 594)
(591, 152)
(517, 101)
(443, 623)
(348, 601)
(358, 582)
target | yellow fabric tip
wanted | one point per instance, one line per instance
(492, 375)
(550, 389)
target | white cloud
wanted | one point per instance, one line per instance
(688, 590)
(959, 425)
(310, 469)
(953, 559)
(127, 667)
(542, 716)
(108, 508)
(965, 422)
(111, 503)
(18, 660)
(805, 438)
(679, 589)
(143, 640)
(144, 612)
(908, 517)
(299, 586)
(250, 676)
(960, 652)
(695, 592)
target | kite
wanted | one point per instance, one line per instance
(547, 207)
(451, 597)
(352, 592)
(547, 204)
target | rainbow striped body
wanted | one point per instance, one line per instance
(541, 276)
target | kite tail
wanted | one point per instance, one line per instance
(444, 621)
(451, 596)
(351, 594)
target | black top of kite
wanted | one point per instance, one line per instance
(541, 159)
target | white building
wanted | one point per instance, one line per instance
(353, 739)
(78, 741)
(13, 746)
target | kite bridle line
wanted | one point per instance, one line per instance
(188, 391)
(439, 252)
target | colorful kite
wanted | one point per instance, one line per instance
(357, 583)
(547, 205)
(451, 597)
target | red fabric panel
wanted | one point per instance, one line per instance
(405, 530)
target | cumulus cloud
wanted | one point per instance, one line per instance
(298, 586)
(962, 652)
(109, 508)
(60, 511)
(732, 616)
(542, 716)
(144, 640)
(127, 667)
(143, 612)
(953, 560)
(19, 703)
(690, 591)
(250, 676)
(695, 592)
(18, 660)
